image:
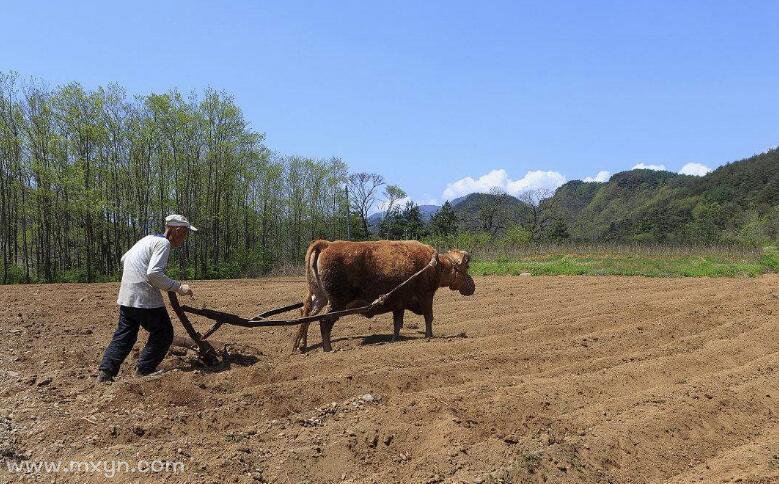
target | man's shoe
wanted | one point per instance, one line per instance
(104, 377)
(140, 373)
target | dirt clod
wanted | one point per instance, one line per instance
(45, 381)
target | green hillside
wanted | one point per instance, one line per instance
(738, 202)
(489, 212)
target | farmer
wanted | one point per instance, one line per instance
(140, 300)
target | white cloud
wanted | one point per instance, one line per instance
(696, 169)
(601, 177)
(532, 180)
(644, 166)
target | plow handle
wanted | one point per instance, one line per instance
(206, 352)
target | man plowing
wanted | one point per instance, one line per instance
(140, 300)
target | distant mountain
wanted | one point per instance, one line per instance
(608, 210)
(734, 202)
(738, 202)
(488, 212)
(571, 198)
(471, 211)
(427, 212)
(459, 200)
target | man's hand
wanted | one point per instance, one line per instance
(185, 290)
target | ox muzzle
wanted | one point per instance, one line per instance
(468, 287)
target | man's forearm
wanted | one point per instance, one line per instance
(163, 282)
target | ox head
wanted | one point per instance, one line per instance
(457, 272)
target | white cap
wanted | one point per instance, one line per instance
(176, 220)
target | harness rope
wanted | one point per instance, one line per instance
(434, 262)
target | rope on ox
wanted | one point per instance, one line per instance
(384, 297)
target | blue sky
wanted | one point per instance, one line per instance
(441, 97)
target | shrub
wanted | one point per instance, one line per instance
(770, 258)
(15, 274)
(78, 274)
(516, 237)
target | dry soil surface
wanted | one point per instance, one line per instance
(556, 379)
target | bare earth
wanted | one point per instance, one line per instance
(557, 379)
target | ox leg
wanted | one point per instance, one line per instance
(312, 307)
(301, 339)
(428, 312)
(397, 319)
(326, 327)
(304, 341)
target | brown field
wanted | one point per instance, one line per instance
(557, 379)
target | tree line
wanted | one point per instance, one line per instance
(84, 173)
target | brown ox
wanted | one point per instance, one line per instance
(353, 274)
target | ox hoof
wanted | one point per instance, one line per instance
(298, 349)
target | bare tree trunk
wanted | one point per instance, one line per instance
(4, 222)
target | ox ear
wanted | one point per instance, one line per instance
(453, 263)
(466, 260)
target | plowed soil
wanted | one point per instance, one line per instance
(557, 379)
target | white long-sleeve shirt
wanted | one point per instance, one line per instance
(143, 274)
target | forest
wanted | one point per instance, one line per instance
(84, 173)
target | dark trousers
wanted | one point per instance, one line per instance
(156, 321)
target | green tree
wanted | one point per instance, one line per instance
(392, 226)
(413, 225)
(444, 221)
(392, 194)
(558, 231)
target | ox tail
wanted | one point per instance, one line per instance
(312, 269)
(316, 299)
